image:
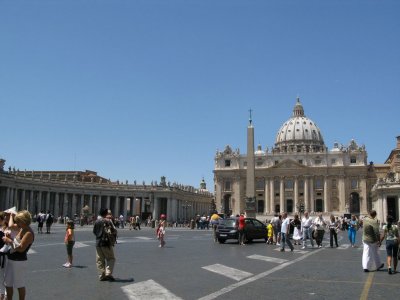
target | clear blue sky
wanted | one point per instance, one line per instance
(141, 89)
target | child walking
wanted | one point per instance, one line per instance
(270, 233)
(69, 241)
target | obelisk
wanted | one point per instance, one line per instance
(250, 201)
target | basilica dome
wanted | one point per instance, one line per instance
(299, 134)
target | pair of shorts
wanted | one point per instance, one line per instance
(392, 247)
(15, 273)
(70, 246)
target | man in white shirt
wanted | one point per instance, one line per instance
(285, 233)
(306, 224)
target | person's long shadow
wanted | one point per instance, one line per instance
(124, 280)
(79, 267)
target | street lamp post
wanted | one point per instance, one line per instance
(300, 207)
(185, 207)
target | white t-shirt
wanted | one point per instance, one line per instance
(285, 224)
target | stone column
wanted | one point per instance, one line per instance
(156, 209)
(11, 200)
(74, 203)
(306, 199)
(124, 208)
(385, 208)
(47, 202)
(282, 194)
(31, 207)
(23, 200)
(311, 194)
(326, 194)
(66, 206)
(267, 203)
(108, 202)
(7, 202)
(57, 205)
(116, 207)
(363, 204)
(90, 204)
(39, 201)
(342, 195)
(272, 193)
(296, 194)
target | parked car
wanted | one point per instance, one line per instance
(228, 230)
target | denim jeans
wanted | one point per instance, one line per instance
(307, 234)
(285, 239)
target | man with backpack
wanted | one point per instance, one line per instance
(49, 221)
(106, 234)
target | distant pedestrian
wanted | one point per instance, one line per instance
(285, 229)
(40, 220)
(276, 224)
(49, 221)
(334, 226)
(391, 234)
(105, 258)
(137, 220)
(270, 233)
(320, 225)
(161, 230)
(121, 221)
(69, 241)
(214, 223)
(296, 224)
(241, 229)
(306, 229)
(371, 241)
(352, 230)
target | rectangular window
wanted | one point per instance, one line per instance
(353, 160)
(354, 184)
(227, 162)
(318, 184)
(227, 186)
(260, 184)
(300, 161)
(333, 161)
(289, 184)
(276, 162)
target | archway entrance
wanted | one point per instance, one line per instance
(392, 207)
(289, 205)
(355, 203)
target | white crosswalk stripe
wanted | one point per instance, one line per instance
(268, 259)
(31, 251)
(80, 245)
(232, 273)
(344, 246)
(295, 250)
(148, 290)
(144, 238)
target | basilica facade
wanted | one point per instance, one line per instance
(299, 173)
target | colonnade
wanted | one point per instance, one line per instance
(309, 193)
(143, 203)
